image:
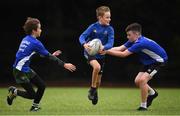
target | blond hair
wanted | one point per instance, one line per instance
(101, 10)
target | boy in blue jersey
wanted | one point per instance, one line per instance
(103, 31)
(152, 56)
(23, 74)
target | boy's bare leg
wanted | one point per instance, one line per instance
(141, 81)
(98, 81)
(93, 95)
(96, 68)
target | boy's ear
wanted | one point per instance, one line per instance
(34, 30)
(135, 32)
(138, 33)
(98, 17)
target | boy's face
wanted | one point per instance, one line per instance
(37, 32)
(132, 35)
(105, 19)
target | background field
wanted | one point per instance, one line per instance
(113, 101)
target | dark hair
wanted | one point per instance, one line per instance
(134, 27)
(101, 10)
(31, 24)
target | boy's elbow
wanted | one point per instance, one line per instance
(108, 47)
(122, 55)
(81, 41)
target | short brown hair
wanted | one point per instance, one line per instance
(134, 27)
(101, 10)
(31, 24)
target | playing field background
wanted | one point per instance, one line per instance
(74, 101)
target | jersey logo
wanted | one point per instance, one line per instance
(94, 31)
(105, 32)
(149, 70)
(23, 45)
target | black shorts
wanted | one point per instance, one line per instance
(22, 77)
(152, 69)
(100, 61)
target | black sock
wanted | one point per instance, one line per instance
(93, 89)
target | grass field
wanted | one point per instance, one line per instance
(113, 101)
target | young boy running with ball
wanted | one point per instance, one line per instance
(105, 33)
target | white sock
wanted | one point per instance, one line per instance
(151, 91)
(15, 92)
(144, 105)
(35, 105)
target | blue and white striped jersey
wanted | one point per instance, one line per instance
(149, 51)
(29, 46)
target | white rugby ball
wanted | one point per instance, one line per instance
(95, 45)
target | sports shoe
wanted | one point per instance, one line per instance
(34, 109)
(142, 109)
(11, 95)
(150, 98)
(95, 100)
(91, 94)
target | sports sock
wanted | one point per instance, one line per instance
(93, 88)
(35, 104)
(144, 105)
(15, 92)
(151, 91)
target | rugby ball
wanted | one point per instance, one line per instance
(95, 45)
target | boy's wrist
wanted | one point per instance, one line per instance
(83, 44)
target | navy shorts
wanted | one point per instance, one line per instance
(100, 61)
(152, 69)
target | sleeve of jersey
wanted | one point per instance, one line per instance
(128, 44)
(135, 48)
(110, 42)
(41, 49)
(85, 35)
(55, 59)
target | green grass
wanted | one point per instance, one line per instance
(113, 101)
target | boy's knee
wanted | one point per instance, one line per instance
(32, 95)
(97, 68)
(136, 81)
(142, 81)
(42, 87)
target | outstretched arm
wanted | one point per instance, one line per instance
(57, 53)
(118, 53)
(67, 66)
(39, 48)
(119, 48)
